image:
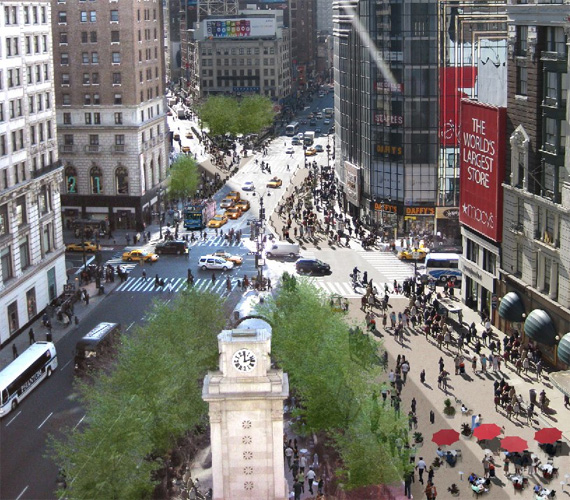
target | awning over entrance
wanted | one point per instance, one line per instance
(564, 349)
(511, 307)
(539, 327)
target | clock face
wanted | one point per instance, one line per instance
(244, 360)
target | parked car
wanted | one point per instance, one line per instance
(275, 183)
(218, 221)
(138, 255)
(227, 203)
(248, 186)
(317, 131)
(189, 135)
(243, 205)
(312, 266)
(296, 141)
(88, 246)
(290, 151)
(213, 262)
(233, 213)
(236, 259)
(234, 195)
(176, 247)
(319, 148)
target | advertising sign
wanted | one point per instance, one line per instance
(482, 168)
(453, 82)
(241, 28)
(352, 186)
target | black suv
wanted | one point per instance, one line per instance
(312, 266)
(172, 246)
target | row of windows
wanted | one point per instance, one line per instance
(148, 74)
(89, 37)
(90, 58)
(147, 34)
(15, 141)
(91, 79)
(19, 170)
(239, 62)
(93, 118)
(92, 99)
(96, 180)
(91, 16)
(242, 72)
(16, 108)
(247, 82)
(35, 15)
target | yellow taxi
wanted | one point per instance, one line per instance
(79, 247)
(275, 183)
(243, 205)
(189, 135)
(311, 152)
(233, 213)
(218, 221)
(236, 259)
(138, 255)
(413, 254)
(234, 195)
(185, 149)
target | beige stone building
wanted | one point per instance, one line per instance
(112, 131)
(32, 259)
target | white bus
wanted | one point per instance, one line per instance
(442, 267)
(292, 129)
(25, 373)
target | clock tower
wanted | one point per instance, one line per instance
(246, 416)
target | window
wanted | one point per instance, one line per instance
(4, 227)
(7, 271)
(87, 99)
(93, 36)
(24, 253)
(31, 303)
(552, 85)
(71, 180)
(83, 16)
(522, 40)
(550, 134)
(86, 78)
(97, 118)
(64, 59)
(96, 99)
(522, 80)
(62, 17)
(118, 118)
(118, 99)
(66, 99)
(115, 37)
(96, 180)
(116, 58)
(21, 215)
(114, 16)
(116, 78)
(122, 180)
(93, 16)
(87, 118)
(33, 134)
(95, 57)
(555, 40)
(95, 78)
(67, 118)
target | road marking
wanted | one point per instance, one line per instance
(63, 367)
(14, 418)
(46, 419)
(23, 491)
(79, 423)
(130, 326)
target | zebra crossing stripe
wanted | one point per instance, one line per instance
(175, 285)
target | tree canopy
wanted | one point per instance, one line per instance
(336, 374)
(183, 179)
(152, 397)
(248, 115)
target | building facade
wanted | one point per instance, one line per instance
(386, 97)
(228, 63)
(303, 23)
(32, 254)
(111, 116)
(535, 286)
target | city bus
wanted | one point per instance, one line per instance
(196, 215)
(442, 267)
(292, 129)
(95, 345)
(25, 373)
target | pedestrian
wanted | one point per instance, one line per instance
(431, 417)
(32, 336)
(86, 297)
(288, 455)
(408, 480)
(297, 488)
(441, 364)
(421, 466)
(474, 364)
(423, 376)
(14, 351)
(213, 278)
(228, 284)
(302, 463)
(310, 476)
(430, 491)
(144, 275)
(405, 369)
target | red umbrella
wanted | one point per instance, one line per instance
(548, 435)
(514, 443)
(445, 437)
(487, 431)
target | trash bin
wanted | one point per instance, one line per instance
(101, 290)
(532, 396)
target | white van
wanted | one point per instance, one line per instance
(283, 249)
(213, 262)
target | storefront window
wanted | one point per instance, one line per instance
(31, 302)
(122, 180)
(96, 180)
(71, 180)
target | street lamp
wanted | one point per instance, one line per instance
(159, 192)
(260, 238)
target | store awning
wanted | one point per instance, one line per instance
(540, 328)
(511, 307)
(564, 349)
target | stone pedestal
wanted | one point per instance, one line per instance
(246, 417)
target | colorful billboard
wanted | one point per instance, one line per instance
(482, 152)
(241, 28)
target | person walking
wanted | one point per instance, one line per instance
(289, 455)
(310, 476)
(14, 351)
(430, 491)
(228, 284)
(408, 480)
(32, 336)
(421, 467)
(213, 278)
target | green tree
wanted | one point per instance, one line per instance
(334, 370)
(183, 178)
(152, 397)
(248, 115)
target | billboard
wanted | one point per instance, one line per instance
(241, 28)
(453, 82)
(482, 167)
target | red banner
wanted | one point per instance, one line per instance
(482, 149)
(452, 82)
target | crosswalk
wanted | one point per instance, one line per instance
(118, 261)
(388, 265)
(342, 288)
(217, 241)
(175, 285)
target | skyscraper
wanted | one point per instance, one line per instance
(111, 119)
